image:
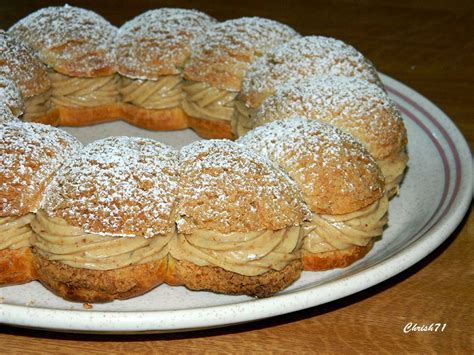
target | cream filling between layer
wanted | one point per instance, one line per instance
(15, 232)
(57, 241)
(249, 254)
(337, 232)
(241, 121)
(166, 92)
(205, 101)
(83, 92)
(393, 168)
(36, 106)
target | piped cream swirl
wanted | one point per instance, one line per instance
(166, 92)
(15, 232)
(71, 91)
(57, 241)
(250, 254)
(241, 121)
(393, 168)
(205, 101)
(337, 232)
(36, 106)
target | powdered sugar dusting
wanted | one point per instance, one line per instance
(227, 48)
(357, 107)
(10, 96)
(228, 188)
(304, 57)
(69, 39)
(19, 64)
(117, 186)
(158, 42)
(330, 167)
(6, 114)
(31, 153)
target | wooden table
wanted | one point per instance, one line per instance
(428, 46)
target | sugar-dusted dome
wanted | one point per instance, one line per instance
(223, 53)
(335, 173)
(71, 40)
(118, 186)
(228, 188)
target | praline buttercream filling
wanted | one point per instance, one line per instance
(38, 105)
(241, 121)
(166, 92)
(393, 168)
(249, 254)
(56, 240)
(337, 232)
(15, 232)
(204, 101)
(71, 91)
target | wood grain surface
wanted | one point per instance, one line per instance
(428, 45)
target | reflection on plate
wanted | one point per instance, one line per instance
(433, 199)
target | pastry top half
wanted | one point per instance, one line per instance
(299, 59)
(10, 97)
(222, 54)
(335, 173)
(31, 153)
(226, 188)
(121, 186)
(355, 106)
(20, 64)
(158, 42)
(73, 41)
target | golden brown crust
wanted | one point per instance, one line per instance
(334, 259)
(16, 266)
(84, 116)
(334, 172)
(85, 285)
(19, 64)
(355, 106)
(211, 128)
(218, 280)
(117, 186)
(73, 41)
(228, 188)
(156, 120)
(221, 56)
(302, 58)
(158, 42)
(31, 154)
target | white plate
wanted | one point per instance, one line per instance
(434, 197)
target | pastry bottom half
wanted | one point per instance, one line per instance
(16, 266)
(207, 128)
(216, 279)
(334, 259)
(85, 285)
(151, 119)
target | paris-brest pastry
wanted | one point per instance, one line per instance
(215, 70)
(322, 148)
(105, 221)
(30, 154)
(239, 222)
(152, 50)
(77, 45)
(19, 64)
(341, 184)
